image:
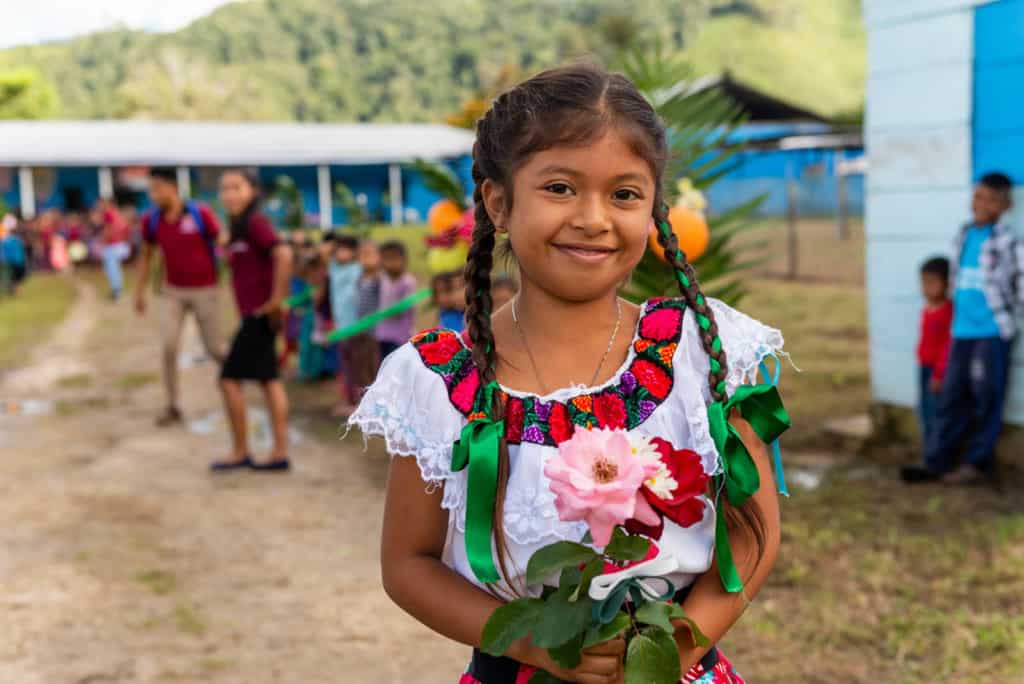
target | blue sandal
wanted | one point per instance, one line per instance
(225, 466)
(273, 466)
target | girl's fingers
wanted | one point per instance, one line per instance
(605, 666)
(615, 647)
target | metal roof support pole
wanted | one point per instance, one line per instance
(395, 192)
(323, 186)
(106, 181)
(27, 192)
(184, 182)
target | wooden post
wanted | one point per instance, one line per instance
(184, 182)
(106, 182)
(842, 208)
(323, 185)
(791, 220)
(27, 192)
(395, 191)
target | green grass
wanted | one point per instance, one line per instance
(188, 621)
(130, 381)
(76, 380)
(27, 318)
(880, 583)
(159, 582)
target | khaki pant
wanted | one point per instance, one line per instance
(204, 304)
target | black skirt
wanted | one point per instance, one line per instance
(252, 355)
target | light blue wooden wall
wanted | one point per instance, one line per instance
(918, 134)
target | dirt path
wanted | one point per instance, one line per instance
(123, 560)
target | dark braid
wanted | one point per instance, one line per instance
(477, 275)
(690, 289)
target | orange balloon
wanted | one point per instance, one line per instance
(444, 215)
(691, 230)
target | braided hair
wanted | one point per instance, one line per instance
(572, 105)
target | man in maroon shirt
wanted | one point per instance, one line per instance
(186, 234)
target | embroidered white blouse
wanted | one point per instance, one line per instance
(425, 392)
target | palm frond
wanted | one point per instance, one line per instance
(439, 179)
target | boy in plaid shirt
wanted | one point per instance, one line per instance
(987, 273)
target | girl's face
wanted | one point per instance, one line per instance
(236, 193)
(580, 217)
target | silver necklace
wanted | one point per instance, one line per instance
(533, 361)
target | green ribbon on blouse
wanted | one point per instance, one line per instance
(761, 406)
(477, 449)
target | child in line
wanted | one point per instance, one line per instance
(933, 347)
(570, 166)
(314, 275)
(449, 295)
(344, 273)
(503, 290)
(396, 283)
(364, 346)
(987, 273)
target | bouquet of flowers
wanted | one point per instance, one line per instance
(615, 580)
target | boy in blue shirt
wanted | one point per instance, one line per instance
(987, 273)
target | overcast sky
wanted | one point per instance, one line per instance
(35, 21)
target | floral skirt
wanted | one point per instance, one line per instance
(721, 673)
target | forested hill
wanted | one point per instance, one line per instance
(369, 60)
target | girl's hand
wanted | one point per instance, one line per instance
(601, 664)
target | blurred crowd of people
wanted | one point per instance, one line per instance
(59, 241)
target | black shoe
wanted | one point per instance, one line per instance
(171, 416)
(225, 466)
(916, 474)
(273, 466)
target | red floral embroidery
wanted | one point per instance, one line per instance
(652, 378)
(559, 426)
(625, 405)
(610, 410)
(514, 413)
(440, 351)
(661, 325)
(465, 392)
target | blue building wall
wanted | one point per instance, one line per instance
(766, 172)
(998, 131)
(65, 180)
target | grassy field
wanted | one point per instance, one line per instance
(27, 318)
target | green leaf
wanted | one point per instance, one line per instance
(624, 547)
(602, 633)
(560, 620)
(508, 624)
(542, 677)
(699, 638)
(652, 658)
(657, 614)
(554, 557)
(568, 654)
(592, 570)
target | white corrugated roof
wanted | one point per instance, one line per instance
(148, 143)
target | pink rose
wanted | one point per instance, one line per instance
(597, 476)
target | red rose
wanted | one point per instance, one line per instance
(559, 426)
(661, 325)
(683, 507)
(514, 417)
(610, 411)
(652, 377)
(440, 351)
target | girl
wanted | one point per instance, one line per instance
(568, 169)
(260, 271)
